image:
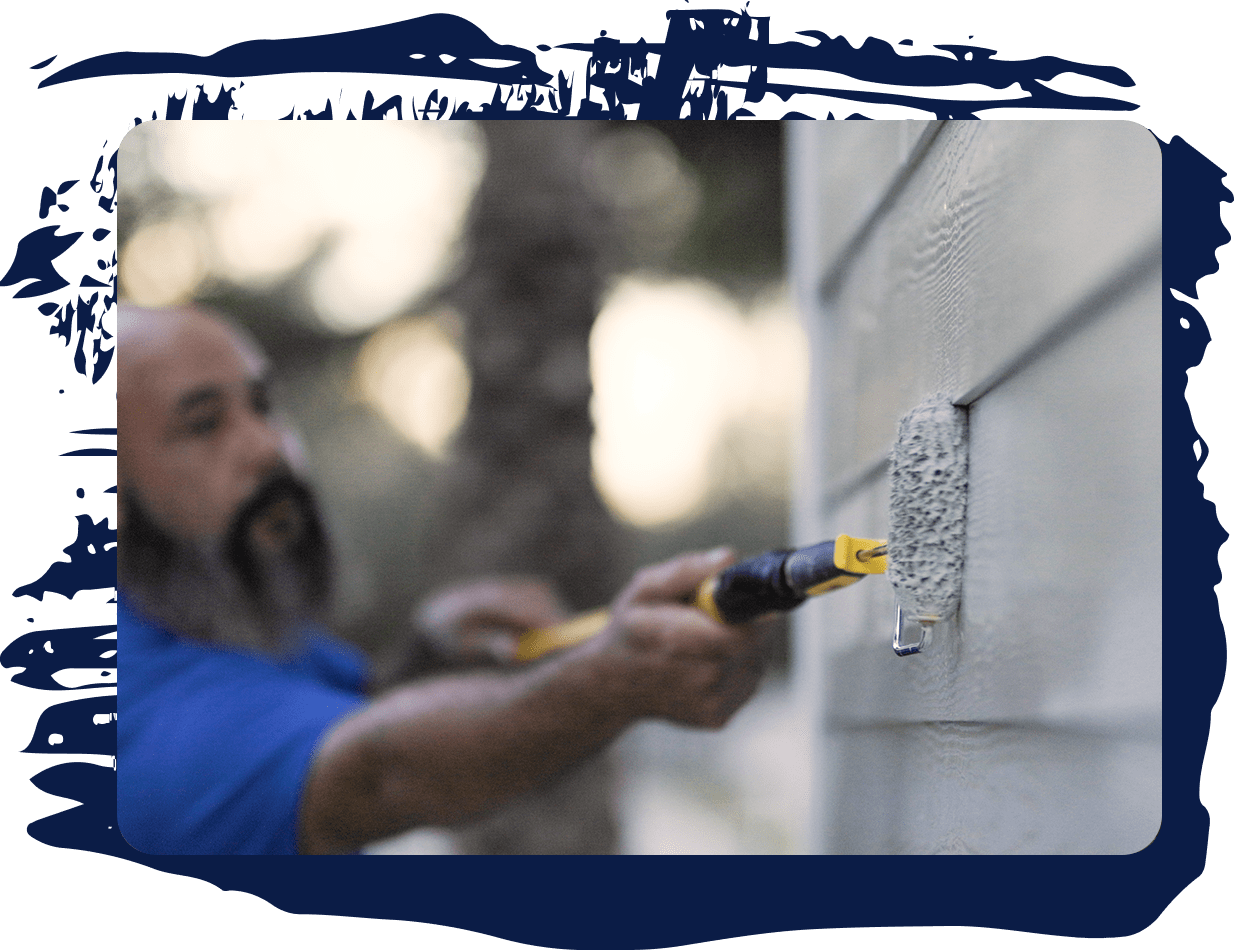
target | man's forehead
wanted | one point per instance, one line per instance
(171, 350)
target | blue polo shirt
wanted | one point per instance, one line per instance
(214, 744)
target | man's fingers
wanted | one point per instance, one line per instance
(679, 578)
(487, 604)
(686, 666)
(681, 631)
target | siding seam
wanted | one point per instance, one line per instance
(833, 279)
(1129, 278)
(1142, 265)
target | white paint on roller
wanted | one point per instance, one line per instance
(929, 491)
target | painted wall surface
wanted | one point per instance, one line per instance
(1014, 266)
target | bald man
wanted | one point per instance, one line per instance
(245, 728)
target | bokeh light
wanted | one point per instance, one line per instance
(641, 177)
(412, 372)
(386, 201)
(164, 262)
(676, 366)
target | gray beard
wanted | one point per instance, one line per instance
(232, 594)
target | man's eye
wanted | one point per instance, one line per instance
(204, 425)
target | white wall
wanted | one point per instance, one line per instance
(1016, 267)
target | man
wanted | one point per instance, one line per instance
(244, 728)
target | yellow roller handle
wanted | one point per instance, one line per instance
(541, 640)
(538, 641)
(768, 582)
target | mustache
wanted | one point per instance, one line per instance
(280, 519)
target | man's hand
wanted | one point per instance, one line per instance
(480, 621)
(669, 660)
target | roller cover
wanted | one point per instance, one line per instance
(929, 493)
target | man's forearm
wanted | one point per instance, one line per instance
(439, 751)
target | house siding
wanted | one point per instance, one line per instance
(1014, 266)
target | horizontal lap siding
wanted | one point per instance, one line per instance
(990, 788)
(1003, 231)
(861, 164)
(1017, 270)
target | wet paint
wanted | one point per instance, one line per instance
(929, 495)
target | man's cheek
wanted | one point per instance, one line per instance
(187, 509)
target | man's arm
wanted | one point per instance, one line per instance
(439, 752)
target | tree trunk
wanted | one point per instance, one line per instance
(519, 497)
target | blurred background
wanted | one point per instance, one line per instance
(553, 348)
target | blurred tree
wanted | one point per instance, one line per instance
(518, 496)
(737, 240)
(518, 492)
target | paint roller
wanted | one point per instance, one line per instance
(926, 516)
(926, 531)
(766, 583)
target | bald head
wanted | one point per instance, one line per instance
(155, 342)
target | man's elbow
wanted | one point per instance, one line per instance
(360, 791)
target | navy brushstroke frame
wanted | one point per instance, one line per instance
(694, 899)
(696, 43)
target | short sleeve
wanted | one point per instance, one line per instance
(214, 745)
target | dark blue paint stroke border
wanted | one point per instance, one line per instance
(657, 902)
(445, 46)
(385, 49)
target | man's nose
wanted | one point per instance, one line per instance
(262, 446)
